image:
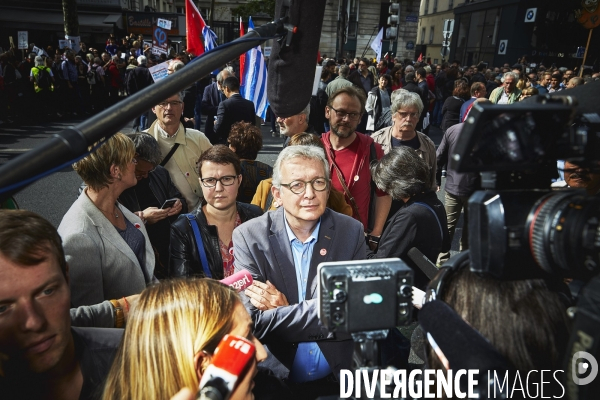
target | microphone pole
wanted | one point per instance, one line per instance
(73, 142)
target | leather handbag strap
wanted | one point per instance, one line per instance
(168, 157)
(194, 224)
(346, 190)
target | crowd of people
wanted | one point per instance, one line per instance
(121, 301)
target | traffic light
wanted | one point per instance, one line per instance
(393, 20)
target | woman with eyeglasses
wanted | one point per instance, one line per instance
(201, 244)
(146, 199)
(106, 245)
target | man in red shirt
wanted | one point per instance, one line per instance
(349, 154)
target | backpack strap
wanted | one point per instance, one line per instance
(169, 155)
(199, 243)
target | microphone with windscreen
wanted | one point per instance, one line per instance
(230, 359)
(238, 281)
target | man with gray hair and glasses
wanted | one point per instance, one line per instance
(180, 148)
(406, 109)
(282, 249)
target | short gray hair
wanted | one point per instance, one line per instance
(146, 147)
(344, 71)
(402, 98)
(401, 173)
(511, 75)
(409, 68)
(221, 77)
(142, 60)
(39, 61)
(306, 152)
(177, 65)
(306, 111)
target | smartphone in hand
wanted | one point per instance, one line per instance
(168, 203)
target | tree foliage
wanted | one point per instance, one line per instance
(253, 7)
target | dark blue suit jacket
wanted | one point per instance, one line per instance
(262, 247)
(210, 104)
(234, 109)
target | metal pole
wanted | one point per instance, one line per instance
(587, 46)
(73, 142)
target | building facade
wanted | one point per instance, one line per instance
(364, 19)
(504, 31)
(430, 37)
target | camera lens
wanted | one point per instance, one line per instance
(564, 234)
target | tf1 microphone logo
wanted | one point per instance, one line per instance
(583, 363)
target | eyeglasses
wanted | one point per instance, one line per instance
(404, 115)
(226, 180)
(164, 104)
(344, 114)
(299, 187)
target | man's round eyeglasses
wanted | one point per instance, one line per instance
(299, 187)
(344, 114)
(226, 180)
(164, 104)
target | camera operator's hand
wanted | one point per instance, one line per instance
(265, 296)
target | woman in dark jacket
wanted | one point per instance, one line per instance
(421, 222)
(452, 105)
(216, 218)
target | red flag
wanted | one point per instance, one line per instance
(243, 56)
(194, 23)
(420, 57)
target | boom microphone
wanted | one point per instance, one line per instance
(230, 359)
(239, 281)
(292, 61)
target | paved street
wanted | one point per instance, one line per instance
(52, 196)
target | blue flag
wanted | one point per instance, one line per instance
(255, 78)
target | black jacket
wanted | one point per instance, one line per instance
(161, 186)
(457, 184)
(211, 98)
(139, 78)
(415, 226)
(234, 109)
(184, 260)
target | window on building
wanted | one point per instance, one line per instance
(353, 19)
(450, 4)
(426, 7)
(435, 5)
(423, 36)
(180, 10)
(431, 35)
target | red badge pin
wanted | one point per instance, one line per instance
(187, 174)
(137, 225)
(323, 252)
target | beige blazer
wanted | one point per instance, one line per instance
(102, 266)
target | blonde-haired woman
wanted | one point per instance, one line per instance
(106, 246)
(171, 336)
